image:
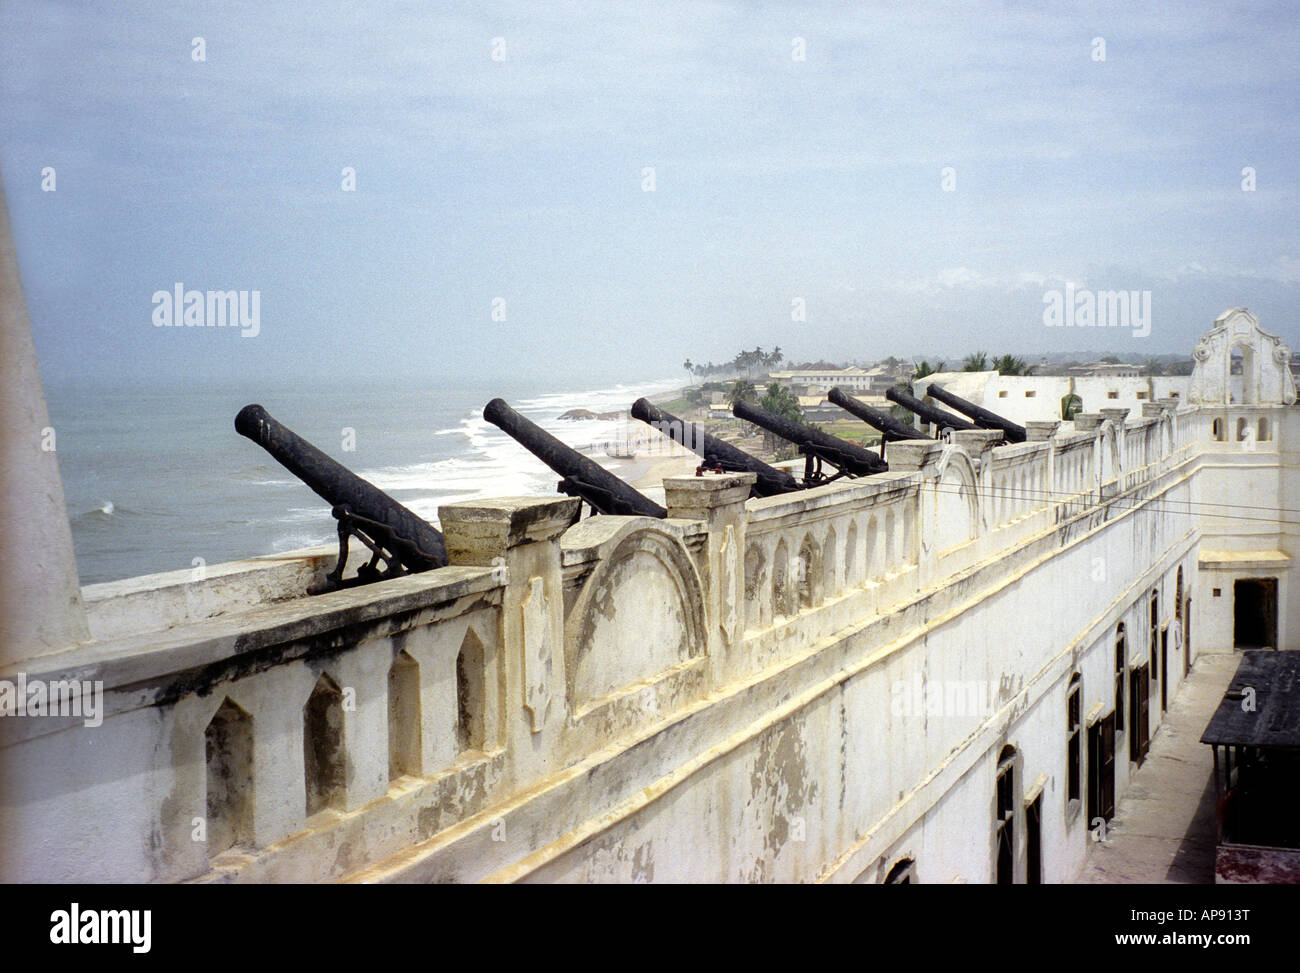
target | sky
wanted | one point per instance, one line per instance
(632, 185)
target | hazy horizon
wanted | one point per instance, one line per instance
(844, 184)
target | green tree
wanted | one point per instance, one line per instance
(1071, 406)
(978, 362)
(741, 389)
(1153, 367)
(1009, 365)
(780, 401)
(922, 370)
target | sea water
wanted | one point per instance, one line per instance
(157, 479)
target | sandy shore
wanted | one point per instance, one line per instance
(648, 473)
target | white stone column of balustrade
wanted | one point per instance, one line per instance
(520, 537)
(718, 499)
(920, 456)
(1047, 490)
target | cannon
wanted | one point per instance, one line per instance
(1012, 432)
(891, 429)
(715, 452)
(407, 544)
(817, 446)
(940, 417)
(602, 490)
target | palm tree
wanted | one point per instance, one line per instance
(1008, 365)
(922, 370)
(690, 368)
(978, 362)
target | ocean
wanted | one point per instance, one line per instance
(155, 479)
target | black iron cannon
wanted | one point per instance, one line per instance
(1012, 432)
(817, 446)
(891, 429)
(940, 417)
(602, 490)
(715, 452)
(404, 542)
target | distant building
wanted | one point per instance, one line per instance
(819, 381)
(1023, 398)
(1106, 370)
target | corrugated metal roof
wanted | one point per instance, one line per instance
(1267, 717)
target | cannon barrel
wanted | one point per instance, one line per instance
(414, 544)
(892, 429)
(583, 477)
(711, 449)
(983, 417)
(850, 458)
(940, 417)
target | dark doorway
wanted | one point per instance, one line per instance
(1164, 667)
(1254, 613)
(1139, 717)
(1187, 636)
(1101, 770)
(1034, 841)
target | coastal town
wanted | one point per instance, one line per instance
(800, 391)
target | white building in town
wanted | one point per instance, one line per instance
(1021, 398)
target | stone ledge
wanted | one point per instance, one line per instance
(476, 533)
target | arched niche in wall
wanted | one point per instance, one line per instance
(640, 611)
(956, 507)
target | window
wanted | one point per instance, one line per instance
(1004, 826)
(1216, 430)
(1263, 433)
(1074, 766)
(903, 873)
(1141, 395)
(1121, 666)
(1002, 394)
(1029, 393)
(1112, 395)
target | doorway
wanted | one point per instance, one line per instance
(1164, 668)
(1254, 613)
